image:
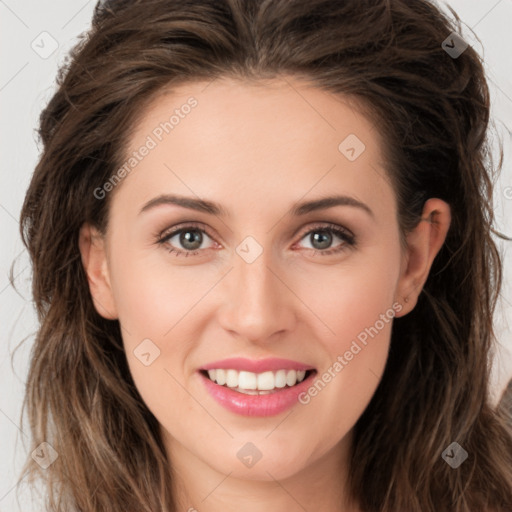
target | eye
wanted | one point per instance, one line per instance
(322, 236)
(190, 237)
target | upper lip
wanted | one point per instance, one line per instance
(257, 366)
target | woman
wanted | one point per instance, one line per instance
(263, 264)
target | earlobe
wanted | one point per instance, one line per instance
(423, 245)
(94, 260)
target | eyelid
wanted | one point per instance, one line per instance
(167, 232)
(327, 225)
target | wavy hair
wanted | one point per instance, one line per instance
(433, 112)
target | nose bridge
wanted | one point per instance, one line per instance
(257, 304)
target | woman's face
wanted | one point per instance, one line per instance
(265, 281)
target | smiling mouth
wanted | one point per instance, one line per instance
(250, 383)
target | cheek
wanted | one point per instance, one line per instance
(351, 296)
(155, 305)
(152, 295)
(352, 299)
(357, 307)
(159, 306)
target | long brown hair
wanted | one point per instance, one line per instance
(432, 108)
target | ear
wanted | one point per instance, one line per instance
(423, 244)
(94, 259)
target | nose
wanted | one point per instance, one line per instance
(257, 303)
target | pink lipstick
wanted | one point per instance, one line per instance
(264, 387)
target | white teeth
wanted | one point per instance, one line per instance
(265, 381)
(220, 377)
(291, 377)
(280, 379)
(231, 378)
(246, 380)
(250, 383)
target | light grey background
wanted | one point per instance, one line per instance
(27, 79)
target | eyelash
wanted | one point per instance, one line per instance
(345, 235)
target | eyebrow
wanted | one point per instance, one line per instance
(213, 208)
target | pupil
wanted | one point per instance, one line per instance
(185, 239)
(326, 239)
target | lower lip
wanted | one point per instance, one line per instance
(256, 405)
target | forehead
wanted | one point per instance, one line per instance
(234, 107)
(254, 138)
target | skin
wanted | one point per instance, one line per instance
(257, 148)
